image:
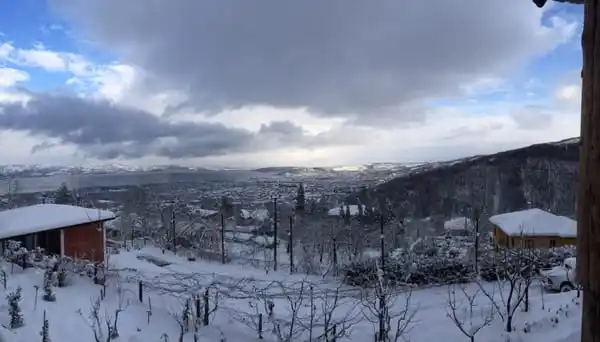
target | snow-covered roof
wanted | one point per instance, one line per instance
(196, 210)
(535, 222)
(458, 223)
(245, 214)
(260, 214)
(353, 208)
(205, 212)
(42, 217)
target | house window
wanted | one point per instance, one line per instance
(529, 244)
(552, 243)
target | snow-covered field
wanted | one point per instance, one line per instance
(238, 295)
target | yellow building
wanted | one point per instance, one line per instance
(533, 228)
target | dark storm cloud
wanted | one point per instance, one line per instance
(333, 57)
(106, 131)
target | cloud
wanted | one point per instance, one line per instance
(52, 28)
(485, 86)
(41, 57)
(568, 93)
(5, 50)
(9, 77)
(104, 130)
(37, 57)
(111, 82)
(532, 117)
(334, 58)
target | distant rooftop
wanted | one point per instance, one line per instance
(43, 217)
(352, 208)
(535, 222)
(458, 223)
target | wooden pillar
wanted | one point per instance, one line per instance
(62, 243)
(588, 199)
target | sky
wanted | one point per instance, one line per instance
(252, 83)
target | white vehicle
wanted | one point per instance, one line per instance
(561, 278)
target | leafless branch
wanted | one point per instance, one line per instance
(466, 313)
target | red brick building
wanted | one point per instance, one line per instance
(63, 230)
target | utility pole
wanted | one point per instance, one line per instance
(291, 244)
(222, 238)
(275, 234)
(173, 237)
(476, 216)
(334, 256)
(529, 275)
(382, 306)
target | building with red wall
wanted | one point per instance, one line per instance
(63, 230)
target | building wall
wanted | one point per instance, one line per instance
(502, 240)
(85, 241)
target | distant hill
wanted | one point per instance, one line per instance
(282, 170)
(541, 175)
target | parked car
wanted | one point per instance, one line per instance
(561, 278)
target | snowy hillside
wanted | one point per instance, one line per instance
(541, 175)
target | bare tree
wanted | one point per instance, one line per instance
(252, 319)
(335, 325)
(312, 239)
(140, 209)
(94, 321)
(183, 317)
(122, 304)
(286, 329)
(515, 276)
(468, 316)
(393, 316)
(299, 311)
(12, 190)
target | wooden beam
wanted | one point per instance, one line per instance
(588, 206)
(541, 3)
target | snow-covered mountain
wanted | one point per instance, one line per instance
(18, 170)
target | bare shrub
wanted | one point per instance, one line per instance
(104, 328)
(389, 308)
(468, 315)
(512, 288)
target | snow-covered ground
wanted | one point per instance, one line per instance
(244, 292)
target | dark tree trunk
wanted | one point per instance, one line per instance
(588, 206)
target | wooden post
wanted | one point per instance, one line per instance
(588, 199)
(260, 326)
(173, 231)
(206, 307)
(198, 310)
(140, 291)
